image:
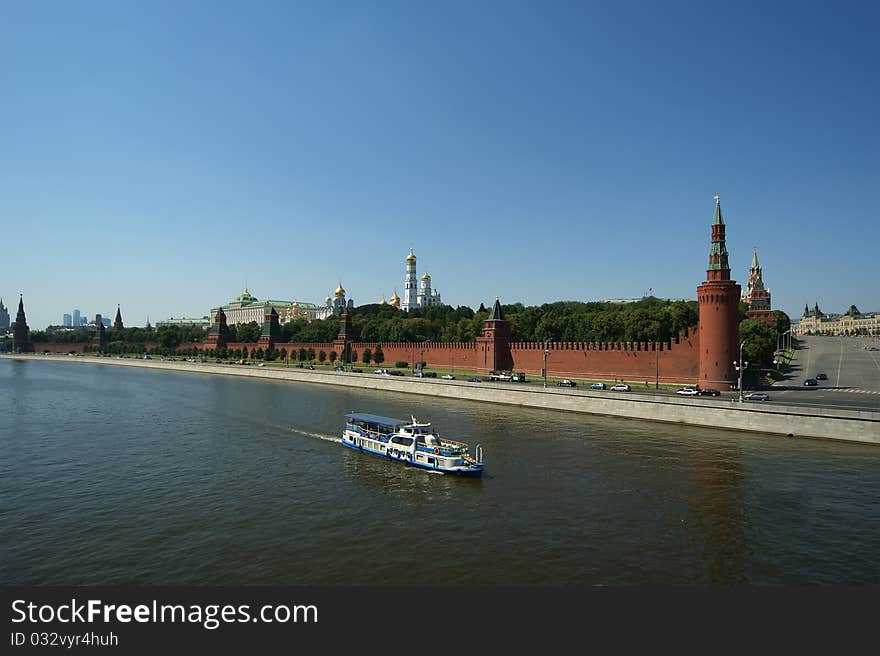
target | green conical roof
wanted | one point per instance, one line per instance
(755, 258)
(719, 220)
(496, 314)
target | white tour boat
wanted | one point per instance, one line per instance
(410, 443)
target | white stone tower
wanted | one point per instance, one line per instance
(410, 283)
(425, 297)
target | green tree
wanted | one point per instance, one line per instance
(367, 356)
(760, 342)
(783, 323)
(322, 356)
(378, 355)
(333, 356)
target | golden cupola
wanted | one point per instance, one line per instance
(427, 276)
(411, 258)
(395, 300)
(383, 301)
(339, 291)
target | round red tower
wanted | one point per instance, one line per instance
(719, 298)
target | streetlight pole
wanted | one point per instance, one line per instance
(546, 353)
(740, 365)
(656, 367)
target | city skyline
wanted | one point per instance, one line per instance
(528, 152)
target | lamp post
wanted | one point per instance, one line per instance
(740, 365)
(546, 353)
(656, 367)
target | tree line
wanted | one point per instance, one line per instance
(650, 319)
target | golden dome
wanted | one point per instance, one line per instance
(410, 259)
(383, 301)
(339, 291)
(295, 305)
(427, 276)
(395, 300)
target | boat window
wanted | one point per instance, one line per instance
(405, 441)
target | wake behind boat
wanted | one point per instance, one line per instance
(410, 443)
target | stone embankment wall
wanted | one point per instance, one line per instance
(795, 421)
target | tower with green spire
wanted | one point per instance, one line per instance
(21, 334)
(493, 347)
(218, 334)
(271, 329)
(117, 322)
(718, 299)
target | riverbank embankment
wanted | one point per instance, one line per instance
(792, 421)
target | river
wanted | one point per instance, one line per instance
(118, 475)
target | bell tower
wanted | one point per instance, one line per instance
(718, 299)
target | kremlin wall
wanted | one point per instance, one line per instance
(702, 355)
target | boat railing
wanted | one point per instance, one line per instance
(445, 440)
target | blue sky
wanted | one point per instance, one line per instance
(163, 155)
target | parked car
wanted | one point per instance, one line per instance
(810, 382)
(396, 372)
(473, 380)
(687, 391)
(310, 366)
(757, 396)
(339, 368)
(429, 374)
(620, 388)
(566, 383)
(597, 386)
(448, 377)
(821, 377)
(357, 370)
(709, 392)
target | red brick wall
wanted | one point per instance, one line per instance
(677, 360)
(674, 361)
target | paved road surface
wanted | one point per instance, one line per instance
(853, 373)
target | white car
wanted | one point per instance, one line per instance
(688, 391)
(448, 377)
(620, 388)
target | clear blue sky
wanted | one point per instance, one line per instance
(163, 155)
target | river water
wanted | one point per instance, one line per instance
(118, 475)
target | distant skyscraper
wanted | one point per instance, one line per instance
(68, 321)
(4, 317)
(105, 321)
(77, 318)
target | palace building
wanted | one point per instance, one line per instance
(246, 308)
(816, 322)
